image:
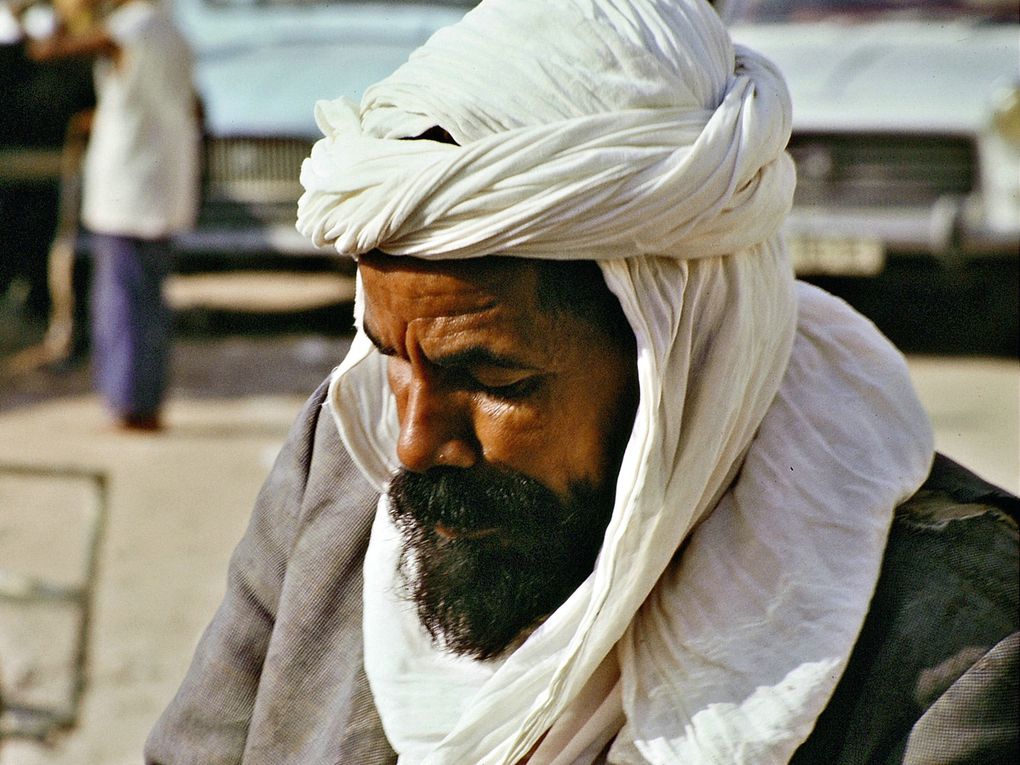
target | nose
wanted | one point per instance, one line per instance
(435, 428)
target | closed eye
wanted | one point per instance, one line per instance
(479, 370)
(494, 375)
(513, 390)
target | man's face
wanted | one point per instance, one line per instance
(513, 417)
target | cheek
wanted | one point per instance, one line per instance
(592, 427)
(545, 439)
(511, 433)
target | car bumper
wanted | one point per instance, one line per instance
(944, 231)
(276, 239)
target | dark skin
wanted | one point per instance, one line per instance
(62, 46)
(90, 43)
(485, 376)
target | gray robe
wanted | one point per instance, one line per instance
(278, 675)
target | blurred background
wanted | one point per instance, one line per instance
(114, 545)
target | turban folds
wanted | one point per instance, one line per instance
(775, 431)
(581, 145)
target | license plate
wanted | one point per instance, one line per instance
(836, 256)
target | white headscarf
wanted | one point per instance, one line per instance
(776, 429)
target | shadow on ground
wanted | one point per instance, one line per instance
(966, 309)
(217, 354)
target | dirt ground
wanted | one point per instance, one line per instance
(166, 510)
(169, 508)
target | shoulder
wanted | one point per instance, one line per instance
(952, 559)
(313, 474)
(940, 636)
(314, 467)
(283, 653)
(332, 476)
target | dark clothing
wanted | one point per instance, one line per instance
(933, 677)
(278, 675)
(131, 324)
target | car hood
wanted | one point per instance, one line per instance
(901, 76)
(259, 71)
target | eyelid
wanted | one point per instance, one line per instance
(483, 371)
(516, 388)
(500, 377)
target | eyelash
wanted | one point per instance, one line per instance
(512, 392)
(463, 379)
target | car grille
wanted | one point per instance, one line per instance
(881, 170)
(251, 180)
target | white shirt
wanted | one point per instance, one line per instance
(142, 163)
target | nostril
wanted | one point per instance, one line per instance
(459, 453)
(419, 453)
(435, 428)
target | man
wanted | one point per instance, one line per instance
(597, 481)
(139, 187)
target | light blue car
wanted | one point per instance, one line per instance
(906, 126)
(260, 68)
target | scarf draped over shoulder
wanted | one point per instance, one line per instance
(776, 429)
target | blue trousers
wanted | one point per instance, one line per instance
(131, 324)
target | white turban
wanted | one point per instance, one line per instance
(775, 432)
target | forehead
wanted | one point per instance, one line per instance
(484, 290)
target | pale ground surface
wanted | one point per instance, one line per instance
(180, 500)
(974, 405)
(257, 290)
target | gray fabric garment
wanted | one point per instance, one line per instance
(933, 676)
(278, 678)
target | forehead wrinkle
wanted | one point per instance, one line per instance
(383, 305)
(495, 308)
(496, 332)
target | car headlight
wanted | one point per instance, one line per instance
(999, 148)
(1006, 115)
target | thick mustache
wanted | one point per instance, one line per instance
(473, 500)
(486, 553)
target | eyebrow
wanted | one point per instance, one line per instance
(475, 356)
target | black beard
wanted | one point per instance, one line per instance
(513, 552)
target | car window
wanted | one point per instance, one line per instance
(787, 11)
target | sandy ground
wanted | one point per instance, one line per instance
(178, 501)
(176, 504)
(974, 405)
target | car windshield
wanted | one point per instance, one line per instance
(755, 11)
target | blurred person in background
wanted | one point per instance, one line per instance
(36, 103)
(140, 186)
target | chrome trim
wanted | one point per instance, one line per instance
(281, 239)
(940, 230)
